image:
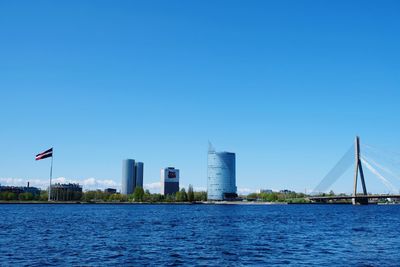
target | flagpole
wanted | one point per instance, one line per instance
(51, 175)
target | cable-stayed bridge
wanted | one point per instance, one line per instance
(368, 157)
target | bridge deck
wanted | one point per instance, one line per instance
(351, 197)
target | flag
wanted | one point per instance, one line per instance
(46, 154)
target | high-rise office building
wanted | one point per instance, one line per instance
(139, 166)
(132, 176)
(128, 176)
(221, 172)
(169, 181)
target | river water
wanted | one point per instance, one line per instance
(199, 235)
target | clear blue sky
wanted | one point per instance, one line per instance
(284, 84)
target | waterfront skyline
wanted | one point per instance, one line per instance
(286, 85)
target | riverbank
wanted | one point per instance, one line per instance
(180, 203)
(244, 203)
(144, 203)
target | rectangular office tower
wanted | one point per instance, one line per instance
(132, 176)
(139, 166)
(169, 181)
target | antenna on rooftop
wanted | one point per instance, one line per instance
(211, 149)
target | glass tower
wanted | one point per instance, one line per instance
(221, 174)
(128, 176)
(139, 166)
(132, 176)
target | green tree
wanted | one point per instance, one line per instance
(269, 197)
(147, 196)
(3, 195)
(115, 197)
(178, 196)
(25, 196)
(89, 196)
(252, 196)
(93, 195)
(156, 198)
(190, 194)
(44, 196)
(200, 196)
(118, 197)
(131, 197)
(11, 196)
(138, 194)
(170, 198)
(181, 196)
(273, 197)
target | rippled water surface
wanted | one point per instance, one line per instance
(217, 235)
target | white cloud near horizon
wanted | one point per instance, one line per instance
(153, 187)
(23, 182)
(246, 191)
(88, 183)
(92, 183)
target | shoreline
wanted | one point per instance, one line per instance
(140, 203)
(241, 203)
(165, 203)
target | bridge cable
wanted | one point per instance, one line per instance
(338, 170)
(381, 167)
(385, 155)
(388, 184)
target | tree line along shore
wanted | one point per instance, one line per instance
(145, 196)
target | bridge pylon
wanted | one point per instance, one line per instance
(359, 199)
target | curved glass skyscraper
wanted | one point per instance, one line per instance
(221, 183)
(128, 176)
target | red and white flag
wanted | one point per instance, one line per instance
(46, 154)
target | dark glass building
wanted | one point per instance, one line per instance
(169, 181)
(110, 190)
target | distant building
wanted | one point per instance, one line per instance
(139, 166)
(132, 176)
(12, 189)
(267, 191)
(21, 189)
(110, 191)
(221, 182)
(66, 192)
(169, 181)
(285, 191)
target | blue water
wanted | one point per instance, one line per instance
(201, 235)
